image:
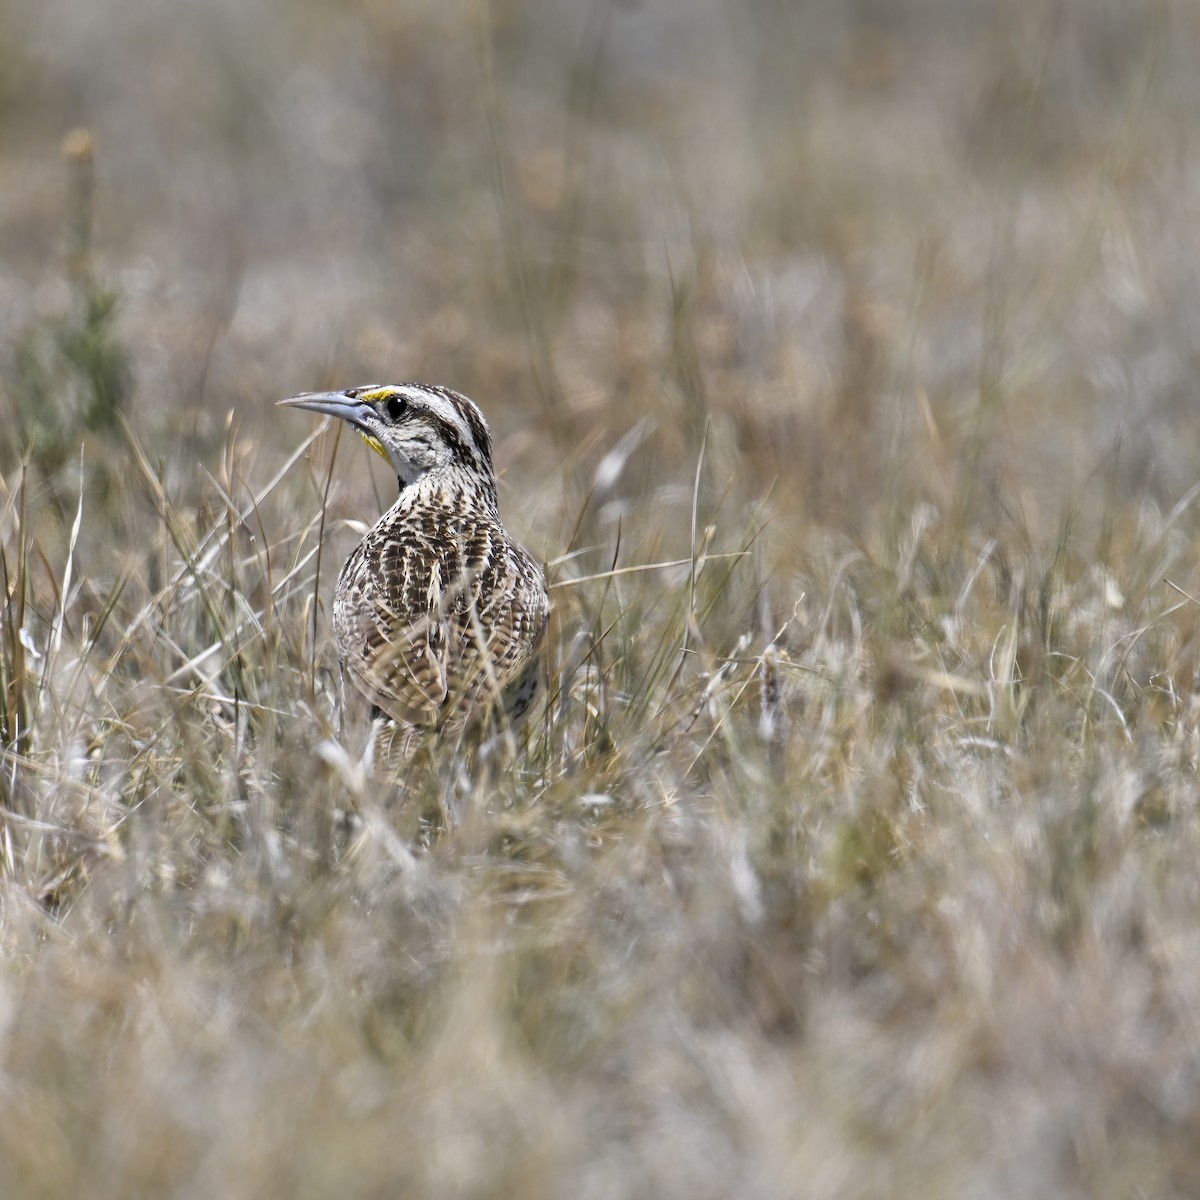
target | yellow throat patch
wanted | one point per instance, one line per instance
(375, 444)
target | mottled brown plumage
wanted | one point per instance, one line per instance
(438, 613)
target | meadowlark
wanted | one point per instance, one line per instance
(438, 614)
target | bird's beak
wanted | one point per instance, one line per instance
(338, 404)
(329, 404)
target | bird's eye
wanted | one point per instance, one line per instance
(394, 406)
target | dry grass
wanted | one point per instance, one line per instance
(841, 360)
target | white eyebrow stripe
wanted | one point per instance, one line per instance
(442, 407)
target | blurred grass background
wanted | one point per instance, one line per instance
(855, 853)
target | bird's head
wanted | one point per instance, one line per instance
(417, 428)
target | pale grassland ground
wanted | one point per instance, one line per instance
(855, 856)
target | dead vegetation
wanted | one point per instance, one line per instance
(841, 365)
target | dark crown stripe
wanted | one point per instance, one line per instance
(479, 430)
(471, 417)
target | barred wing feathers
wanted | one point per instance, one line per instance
(441, 619)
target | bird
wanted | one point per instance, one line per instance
(438, 614)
